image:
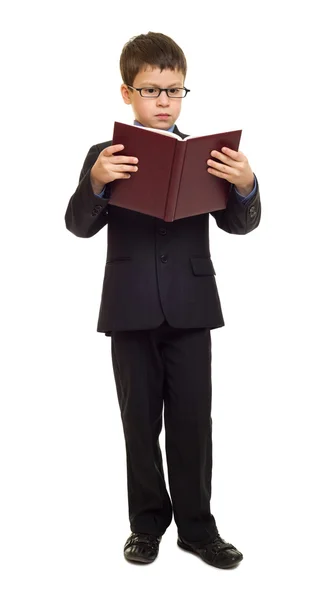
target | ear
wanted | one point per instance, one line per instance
(125, 94)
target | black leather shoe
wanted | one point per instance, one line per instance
(217, 553)
(142, 547)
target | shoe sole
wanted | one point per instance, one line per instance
(190, 549)
(140, 561)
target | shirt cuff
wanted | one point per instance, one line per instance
(101, 194)
(247, 198)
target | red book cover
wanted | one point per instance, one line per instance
(172, 181)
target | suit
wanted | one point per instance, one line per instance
(159, 302)
(154, 269)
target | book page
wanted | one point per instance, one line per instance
(175, 135)
(162, 131)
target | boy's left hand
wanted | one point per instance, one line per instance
(235, 169)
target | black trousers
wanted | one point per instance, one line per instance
(167, 370)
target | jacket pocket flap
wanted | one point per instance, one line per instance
(202, 265)
(118, 259)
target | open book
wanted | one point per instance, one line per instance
(172, 181)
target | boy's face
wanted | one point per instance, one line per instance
(146, 110)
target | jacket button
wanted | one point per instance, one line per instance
(252, 211)
(162, 231)
(164, 258)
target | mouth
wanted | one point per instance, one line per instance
(162, 115)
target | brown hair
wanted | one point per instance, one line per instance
(154, 49)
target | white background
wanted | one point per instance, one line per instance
(64, 517)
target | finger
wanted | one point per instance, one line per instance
(124, 159)
(234, 154)
(222, 158)
(218, 173)
(120, 168)
(225, 168)
(224, 171)
(110, 149)
(121, 175)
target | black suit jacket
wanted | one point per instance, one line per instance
(154, 269)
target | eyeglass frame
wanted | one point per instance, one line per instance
(160, 91)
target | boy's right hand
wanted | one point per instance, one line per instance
(107, 167)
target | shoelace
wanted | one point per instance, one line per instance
(218, 544)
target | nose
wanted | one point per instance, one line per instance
(163, 99)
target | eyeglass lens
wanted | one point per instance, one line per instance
(154, 92)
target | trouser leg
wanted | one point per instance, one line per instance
(188, 426)
(138, 371)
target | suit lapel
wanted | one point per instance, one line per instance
(176, 130)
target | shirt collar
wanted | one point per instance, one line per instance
(140, 125)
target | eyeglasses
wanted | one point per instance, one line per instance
(149, 92)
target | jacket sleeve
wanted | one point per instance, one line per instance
(239, 217)
(87, 213)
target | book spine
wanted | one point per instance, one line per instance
(175, 180)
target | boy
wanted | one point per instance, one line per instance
(159, 302)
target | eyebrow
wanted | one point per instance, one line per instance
(157, 85)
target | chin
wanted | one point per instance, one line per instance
(163, 124)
